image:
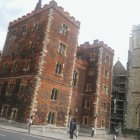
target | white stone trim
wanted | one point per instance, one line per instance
(41, 63)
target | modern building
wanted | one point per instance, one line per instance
(132, 116)
(44, 73)
(118, 95)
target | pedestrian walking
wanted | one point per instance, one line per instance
(30, 123)
(92, 131)
(114, 136)
(72, 129)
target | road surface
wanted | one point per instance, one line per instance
(11, 135)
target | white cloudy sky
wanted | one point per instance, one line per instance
(107, 20)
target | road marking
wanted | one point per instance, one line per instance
(2, 135)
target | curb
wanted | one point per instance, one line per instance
(27, 133)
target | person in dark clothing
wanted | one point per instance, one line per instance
(72, 129)
(92, 131)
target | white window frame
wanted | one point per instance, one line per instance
(87, 104)
(14, 114)
(26, 66)
(104, 106)
(107, 59)
(54, 94)
(51, 118)
(62, 48)
(59, 69)
(64, 29)
(3, 113)
(5, 67)
(105, 89)
(10, 89)
(106, 74)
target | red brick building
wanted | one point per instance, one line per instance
(42, 73)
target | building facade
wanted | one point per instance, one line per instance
(45, 74)
(132, 116)
(118, 98)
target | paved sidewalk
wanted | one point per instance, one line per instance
(58, 135)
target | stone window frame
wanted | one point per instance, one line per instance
(105, 89)
(26, 66)
(35, 25)
(106, 74)
(85, 120)
(102, 122)
(22, 89)
(75, 78)
(59, 69)
(24, 29)
(31, 47)
(89, 87)
(107, 59)
(62, 48)
(104, 106)
(3, 113)
(5, 67)
(54, 94)
(13, 115)
(51, 117)
(64, 29)
(15, 66)
(87, 104)
(10, 89)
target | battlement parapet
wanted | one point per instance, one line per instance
(52, 4)
(136, 28)
(95, 44)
